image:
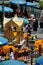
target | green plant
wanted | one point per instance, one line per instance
(41, 3)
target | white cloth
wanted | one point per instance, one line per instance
(12, 55)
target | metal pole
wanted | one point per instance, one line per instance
(31, 58)
(32, 48)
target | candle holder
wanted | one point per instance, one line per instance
(32, 48)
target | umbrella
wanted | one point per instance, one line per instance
(39, 60)
(20, 2)
(6, 9)
(31, 4)
(3, 41)
(12, 62)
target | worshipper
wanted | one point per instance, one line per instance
(35, 25)
(17, 11)
(11, 54)
(16, 54)
(21, 14)
(28, 29)
(40, 50)
(25, 55)
(26, 13)
(41, 21)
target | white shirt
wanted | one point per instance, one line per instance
(12, 55)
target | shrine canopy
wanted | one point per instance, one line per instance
(6, 9)
(31, 4)
(39, 61)
(19, 2)
(3, 41)
(12, 62)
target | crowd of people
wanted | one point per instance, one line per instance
(27, 14)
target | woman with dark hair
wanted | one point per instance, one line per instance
(11, 54)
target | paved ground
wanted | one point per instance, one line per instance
(39, 33)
